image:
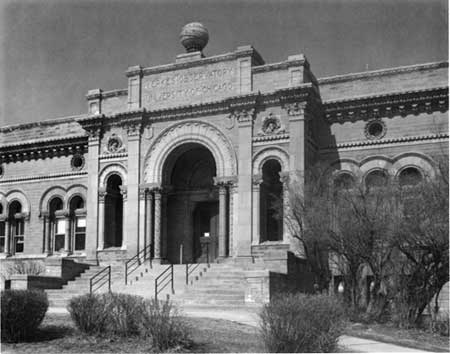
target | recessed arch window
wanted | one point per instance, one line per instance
(57, 223)
(17, 224)
(410, 176)
(376, 178)
(2, 229)
(77, 223)
(271, 194)
(344, 180)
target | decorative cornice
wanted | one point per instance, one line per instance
(113, 156)
(275, 137)
(38, 149)
(387, 105)
(115, 93)
(382, 72)
(44, 123)
(49, 176)
(404, 139)
(282, 65)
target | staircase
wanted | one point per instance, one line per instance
(80, 285)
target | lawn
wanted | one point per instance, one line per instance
(57, 334)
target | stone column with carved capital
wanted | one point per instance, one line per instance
(45, 216)
(149, 219)
(101, 218)
(257, 180)
(157, 246)
(222, 220)
(142, 211)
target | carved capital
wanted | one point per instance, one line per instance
(123, 191)
(143, 192)
(284, 178)
(44, 214)
(243, 116)
(102, 195)
(295, 109)
(257, 180)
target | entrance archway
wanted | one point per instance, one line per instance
(192, 204)
(113, 212)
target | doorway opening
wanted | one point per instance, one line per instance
(113, 212)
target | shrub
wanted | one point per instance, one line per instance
(88, 313)
(127, 315)
(22, 313)
(163, 324)
(440, 325)
(302, 323)
(22, 267)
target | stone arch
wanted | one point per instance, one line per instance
(190, 132)
(4, 203)
(378, 162)
(346, 166)
(49, 194)
(413, 159)
(73, 191)
(272, 152)
(20, 197)
(110, 170)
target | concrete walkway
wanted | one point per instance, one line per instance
(249, 317)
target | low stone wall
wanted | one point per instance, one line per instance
(66, 269)
(22, 282)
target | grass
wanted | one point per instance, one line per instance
(413, 338)
(57, 334)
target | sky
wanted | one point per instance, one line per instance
(53, 51)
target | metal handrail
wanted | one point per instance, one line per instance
(167, 275)
(190, 268)
(102, 276)
(134, 262)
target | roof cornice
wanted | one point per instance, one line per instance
(383, 72)
(387, 104)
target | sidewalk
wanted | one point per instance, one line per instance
(249, 316)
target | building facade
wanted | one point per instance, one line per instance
(186, 160)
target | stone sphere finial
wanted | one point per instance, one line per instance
(194, 37)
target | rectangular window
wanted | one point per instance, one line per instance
(18, 236)
(80, 233)
(60, 230)
(2, 236)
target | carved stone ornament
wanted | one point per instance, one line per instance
(295, 109)
(114, 145)
(271, 125)
(375, 129)
(1, 171)
(244, 115)
(77, 162)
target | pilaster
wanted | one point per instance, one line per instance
(296, 115)
(134, 74)
(256, 186)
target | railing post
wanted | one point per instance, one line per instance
(90, 286)
(187, 274)
(207, 253)
(109, 280)
(156, 289)
(126, 273)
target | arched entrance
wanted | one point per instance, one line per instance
(192, 204)
(113, 212)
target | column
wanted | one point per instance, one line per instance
(125, 228)
(7, 237)
(142, 221)
(101, 218)
(92, 194)
(164, 224)
(157, 224)
(256, 237)
(131, 211)
(149, 218)
(222, 220)
(67, 233)
(43, 217)
(284, 178)
(243, 236)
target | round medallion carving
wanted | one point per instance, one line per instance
(114, 145)
(375, 129)
(77, 162)
(271, 125)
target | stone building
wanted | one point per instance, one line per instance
(185, 159)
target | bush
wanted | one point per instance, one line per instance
(127, 315)
(440, 325)
(22, 267)
(302, 323)
(163, 324)
(22, 313)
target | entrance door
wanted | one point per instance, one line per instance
(206, 226)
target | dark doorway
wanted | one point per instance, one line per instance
(271, 211)
(206, 226)
(192, 203)
(113, 212)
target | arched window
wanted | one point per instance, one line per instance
(78, 223)
(377, 178)
(17, 225)
(113, 212)
(57, 224)
(409, 176)
(344, 181)
(271, 197)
